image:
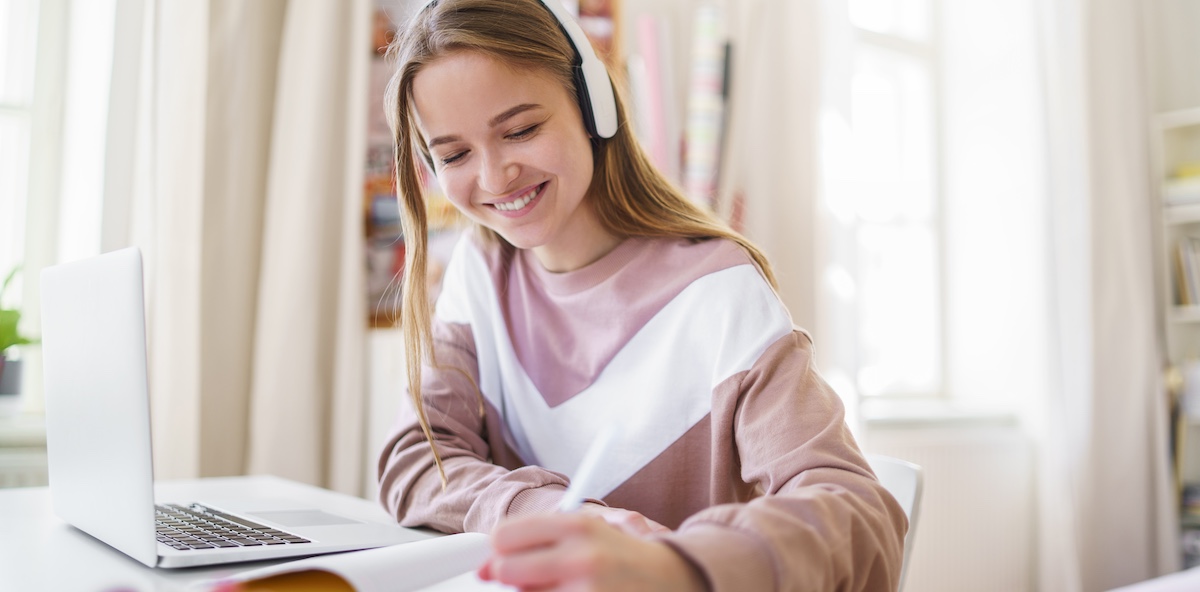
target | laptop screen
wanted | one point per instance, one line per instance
(97, 400)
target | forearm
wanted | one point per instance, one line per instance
(823, 536)
(823, 521)
(477, 493)
(410, 486)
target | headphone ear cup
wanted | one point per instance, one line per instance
(596, 98)
(583, 97)
(594, 89)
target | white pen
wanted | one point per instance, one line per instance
(586, 472)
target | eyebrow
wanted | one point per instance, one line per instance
(493, 122)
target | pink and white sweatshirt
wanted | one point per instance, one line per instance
(729, 435)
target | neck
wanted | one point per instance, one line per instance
(577, 246)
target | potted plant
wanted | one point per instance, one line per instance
(10, 337)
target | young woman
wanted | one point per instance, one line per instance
(593, 293)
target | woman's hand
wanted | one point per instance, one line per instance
(581, 552)
(627, 521)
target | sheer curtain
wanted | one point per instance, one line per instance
(244, 160)
(1086, 363)
(1069, 271)
(1106, 515)
(770, 156)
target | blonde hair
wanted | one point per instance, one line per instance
(628, 194)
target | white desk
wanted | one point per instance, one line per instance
(1182, 581)
(38, 552)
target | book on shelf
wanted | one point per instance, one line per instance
(653, 91)
(1181, 191)
(1186, 271)
(707, 97)
(1189, 521)
(1189, 510)
(441, 564)
(1190, 543)
(1188, 399)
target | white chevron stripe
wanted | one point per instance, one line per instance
(658, 386)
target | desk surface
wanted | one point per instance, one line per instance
(40, 552)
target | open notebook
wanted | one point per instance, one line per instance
(444, 564)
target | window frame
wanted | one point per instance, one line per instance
(927, 55)
(43, 185)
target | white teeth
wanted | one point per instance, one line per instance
(519, 204)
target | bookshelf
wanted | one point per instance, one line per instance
(1177, 160)
(382, 237)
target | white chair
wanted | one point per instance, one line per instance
(904, 480)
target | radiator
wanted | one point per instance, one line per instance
(22, 467)
(976, 525)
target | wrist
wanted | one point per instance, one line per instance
(684, 571)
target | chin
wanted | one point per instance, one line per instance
(521, 242)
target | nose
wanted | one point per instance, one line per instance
(496, 172)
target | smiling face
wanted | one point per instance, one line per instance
(511, 153)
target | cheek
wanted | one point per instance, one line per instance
(580, 169)
(454, 188)
(574, 158)
(570, 162)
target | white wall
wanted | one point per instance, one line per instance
(1173, 33)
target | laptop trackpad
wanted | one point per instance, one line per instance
(295, 518)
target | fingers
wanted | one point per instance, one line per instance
(627, 521)
(540, 530)
(529, 570)
(547, 550)
(568, 552)
(634, 523)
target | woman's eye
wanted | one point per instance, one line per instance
(524, 132)
(451, 159)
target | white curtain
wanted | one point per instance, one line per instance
(245, 170)
(770, 156)
(1106, 515)
(1095, 405)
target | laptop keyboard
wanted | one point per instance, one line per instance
(199, 527)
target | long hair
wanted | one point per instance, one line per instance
(629, 195)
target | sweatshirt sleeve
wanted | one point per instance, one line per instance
(479, 492)
(824, 521)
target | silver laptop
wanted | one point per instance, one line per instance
(98, 440)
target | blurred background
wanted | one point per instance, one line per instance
(982, 210)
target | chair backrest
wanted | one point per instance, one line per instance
(904, 480)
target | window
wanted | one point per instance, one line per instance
(55, 67)
(884, 204)
(18, 47)
(932, 184)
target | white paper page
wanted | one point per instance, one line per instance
(467, 582)
(407, 567)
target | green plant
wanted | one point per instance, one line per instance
(9, 319)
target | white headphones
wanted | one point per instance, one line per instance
(595, 90)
